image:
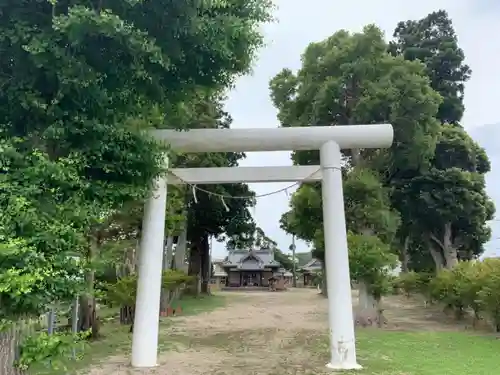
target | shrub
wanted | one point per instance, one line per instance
(470, 285)
(370, 264)
(48, 350)
(123, 292)
(445, 288)
(488, 297)
(408, 282)
(411, 283)
(473, 285)
(394, 285)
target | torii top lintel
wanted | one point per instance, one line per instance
(277, 139)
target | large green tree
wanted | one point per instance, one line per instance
(433, 41)
(444, 207)
(208, 213)
(350, 79)
(81, 83)
(447, 205)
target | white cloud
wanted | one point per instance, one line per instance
(300, 23)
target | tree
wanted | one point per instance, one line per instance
(208, 213)
(457, 161)
(351, 79)
(367, 209)
(39, 230)
(124, 291)
(433, 41)
(82, 83)
(370, 264)
(449, 206)
(262, 241)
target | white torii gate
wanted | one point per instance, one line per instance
(329, 140)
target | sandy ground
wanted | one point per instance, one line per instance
(263, 333)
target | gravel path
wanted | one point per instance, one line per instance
(263, 333)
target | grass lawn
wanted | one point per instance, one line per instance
(423, 353)
(116, 338)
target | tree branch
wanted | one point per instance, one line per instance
(436, 240)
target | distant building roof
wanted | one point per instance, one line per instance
(312, 266)
(255, 259)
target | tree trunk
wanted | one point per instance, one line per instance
(180, 251)
(131, 256)
(381, 319)
(324, 288)
(404, 256)
(195, 266)
(127, 315)
(366, 300)
(451, 258)
(437, 256)
(167, 263)
(448, 251)
(205, 264)
(355, 157)
(128, 267)
(88, 317)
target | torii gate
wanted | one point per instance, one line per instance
(329, 140)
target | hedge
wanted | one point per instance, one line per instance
(473, 286)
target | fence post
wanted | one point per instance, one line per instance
(51, 321)
(74, 321)
(10, 341)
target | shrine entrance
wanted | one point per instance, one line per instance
(329, 140)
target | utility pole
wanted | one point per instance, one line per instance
(294, 269)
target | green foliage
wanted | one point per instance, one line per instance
(488, 297)
(82, 88)
(30, 282)
(305, 217)
(283, 259)
(124, 291)
(48, 350)
(409, 283)
(443, 289)
(368, 86)
(303, 258)
(448, 203)
(208, 213)
(367, 208)
(433, 41)
(371, 262)
(367, 205)
(413, 283)
(468, 285)
(317, 278)
(453, 224)
(83, 85)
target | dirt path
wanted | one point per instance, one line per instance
(263, 333)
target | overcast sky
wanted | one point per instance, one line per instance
(301, 22)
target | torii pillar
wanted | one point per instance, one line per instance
(329, 140)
